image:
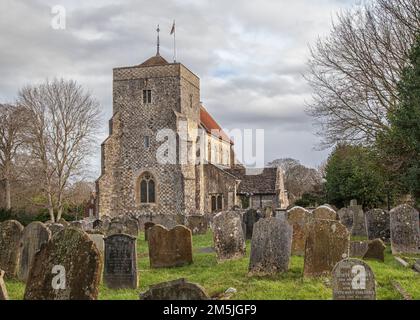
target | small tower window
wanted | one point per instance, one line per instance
(191, 100)
(147, 189)
(146, 142)
(147, 96)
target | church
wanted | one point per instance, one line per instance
(151, 100)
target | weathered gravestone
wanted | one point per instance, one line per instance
(416, 266)
(3, 290)
(98, 240)
(228, 236)
(55, 228)
(376, 249)
(120, 267)
(170, 248)
(198, 224)
(298, 218)
(324, 212)
(346, 217)
(270, 246)
(405, 234)
(10, 236)
(66, 268)
(359, 224)
(34, 236)
(377, 222)
(358, 248)
(175, 290)
(250, 217)
(147, 227)
(353, 279)
(124, 225)
(327, 242)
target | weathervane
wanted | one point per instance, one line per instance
(158, 42)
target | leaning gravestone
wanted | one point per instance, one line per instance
(55, 228)
(359, 223)
(324, 212)
(298, 217)
(375, 250)
(270, 246)
(228, 236)
(147, 227)
(10, 236)
(3, 290)
(170, 248)
(34, 236)
(358, 248)
(250, 217)
(377, 222)
(327, 242)
(353, 279)
(346, 217)
(120, 267)
(405, 234)
(198, 224)
(175, 290)
(66, 268)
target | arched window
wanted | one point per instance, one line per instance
(213, 203)
(219, 202)
(147, 189)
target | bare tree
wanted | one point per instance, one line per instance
(12, 122)
(63, 122)
(354, 72)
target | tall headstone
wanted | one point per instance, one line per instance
(66, 268)
(198, 224)
(3, 290)
(170, 248)
(327, 242)
(250, 217)
(359, 228)
(179, 289)
(228, 235)
(147, 227)
(353, 279)
(120, 266)
(298, 217)
(270, 246)
(324, 212)
(34, 236)
(405, 234)
(377, 222)
(10, 236)
(346, 217)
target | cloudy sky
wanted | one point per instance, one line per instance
(250, 56)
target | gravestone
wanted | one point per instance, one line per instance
(346, 217)
(66, 268)
(376, 249)
(98, 224)
(120, 267)
(359, 228)
(175, 290)
(327, 242)
(34, 236)
(55, 228)
(250, 217)
(298, 217)
(416, 266)
(170, 248)
(377, 223)
(405, 234)
(10, 236)
(270, 246)
(198, 224)
(324, 212)
(228, 236)
(124, 225)
(147, 227)
(353, 279)
(358, 248)
(98, 240)
(3, 290)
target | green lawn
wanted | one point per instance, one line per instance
(216, 278)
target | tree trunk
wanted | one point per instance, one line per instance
(7, 192)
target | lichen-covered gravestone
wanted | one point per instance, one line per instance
(327, 242)
(179, 289)
(198, 224)
(170, 248)
(346, 217)
(120, 266)
(270, 246)
(358, 248)
(34, 236)
(377, 222)
(147, 227)
(359, 224)
(228, 236)
(66, 268)
(405, 234)
(250, 217)
(324, 212)
(3, 290)
(375, 250)
(353, 279)
(10, 237)
(298, 218)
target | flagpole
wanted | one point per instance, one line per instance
(174, 31)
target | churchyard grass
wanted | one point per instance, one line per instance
(216, 278)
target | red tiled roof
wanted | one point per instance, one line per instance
(211, 126)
